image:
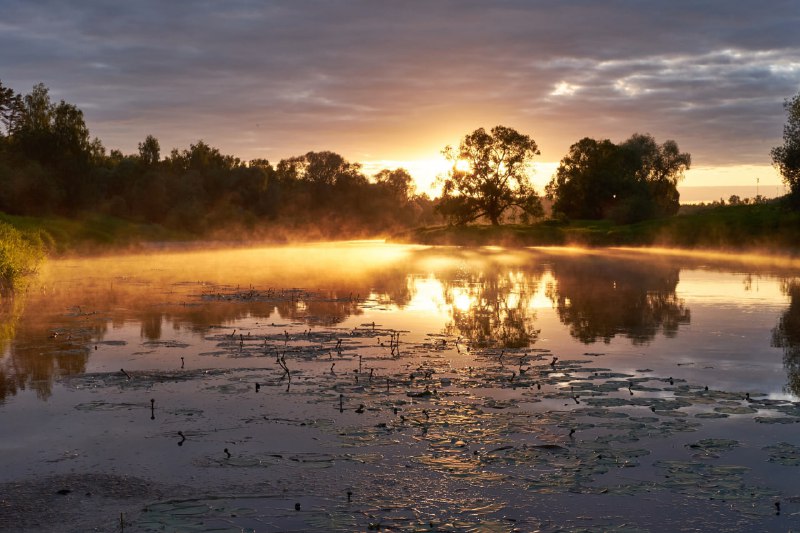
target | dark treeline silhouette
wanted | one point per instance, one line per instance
(49, 165)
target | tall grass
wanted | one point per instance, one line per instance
(20, 256)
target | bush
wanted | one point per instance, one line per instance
(20, 255)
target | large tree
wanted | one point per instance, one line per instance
(489, 175)
(628, 182)
(587, 182)
(787, 157)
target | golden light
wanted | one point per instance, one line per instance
(462, 300)
(540, 300)
(428, 295)
(424, 171)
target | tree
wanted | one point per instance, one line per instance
(149, 151)
(787, 157)
(587, 182)
(399, 182)
(632, 181)
(32, 131)
(656, 170)
(10, 105)
(489, 175)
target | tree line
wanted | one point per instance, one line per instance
(49, 164)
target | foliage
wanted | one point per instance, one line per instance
(494, 180)
(633, 181)
(787, 157)
(20, 255)
(51, 167)
(587, 181)
(149, 151)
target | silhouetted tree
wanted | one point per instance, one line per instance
(32, 130)
(787, 157)
(10, 106)
(150, 151)
(398, 181)
(632, 181)
(656, 170)
(588, 180)
(495, 177)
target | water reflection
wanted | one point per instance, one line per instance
(599, 297)
(786, 335)
(489, 298)
(493, 306)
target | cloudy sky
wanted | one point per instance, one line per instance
(390, 83)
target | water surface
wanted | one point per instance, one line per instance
(441, 388)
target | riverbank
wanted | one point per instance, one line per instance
(769, 227)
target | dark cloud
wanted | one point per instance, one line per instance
(380, 79)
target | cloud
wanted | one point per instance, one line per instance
(387, 79)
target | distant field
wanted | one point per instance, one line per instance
(696, 195)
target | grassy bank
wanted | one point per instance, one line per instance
(770, 227)
(90, 234)
(26, 241)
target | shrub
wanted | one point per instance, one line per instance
(20, 255)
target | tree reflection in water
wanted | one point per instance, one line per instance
(599, 298)
(54, 333)
(33, 364)
(786, 335)
(491, 299)
(492, 307)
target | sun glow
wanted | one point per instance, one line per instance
(427, 171)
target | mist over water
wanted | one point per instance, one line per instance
(629, 304)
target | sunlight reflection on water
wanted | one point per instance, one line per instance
(626, 305)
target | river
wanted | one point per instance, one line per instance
(365, 385)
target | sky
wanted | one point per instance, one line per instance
(391, 83)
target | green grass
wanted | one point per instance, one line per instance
(91, 233)
(770, 227)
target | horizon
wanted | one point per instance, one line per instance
(386, 83)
